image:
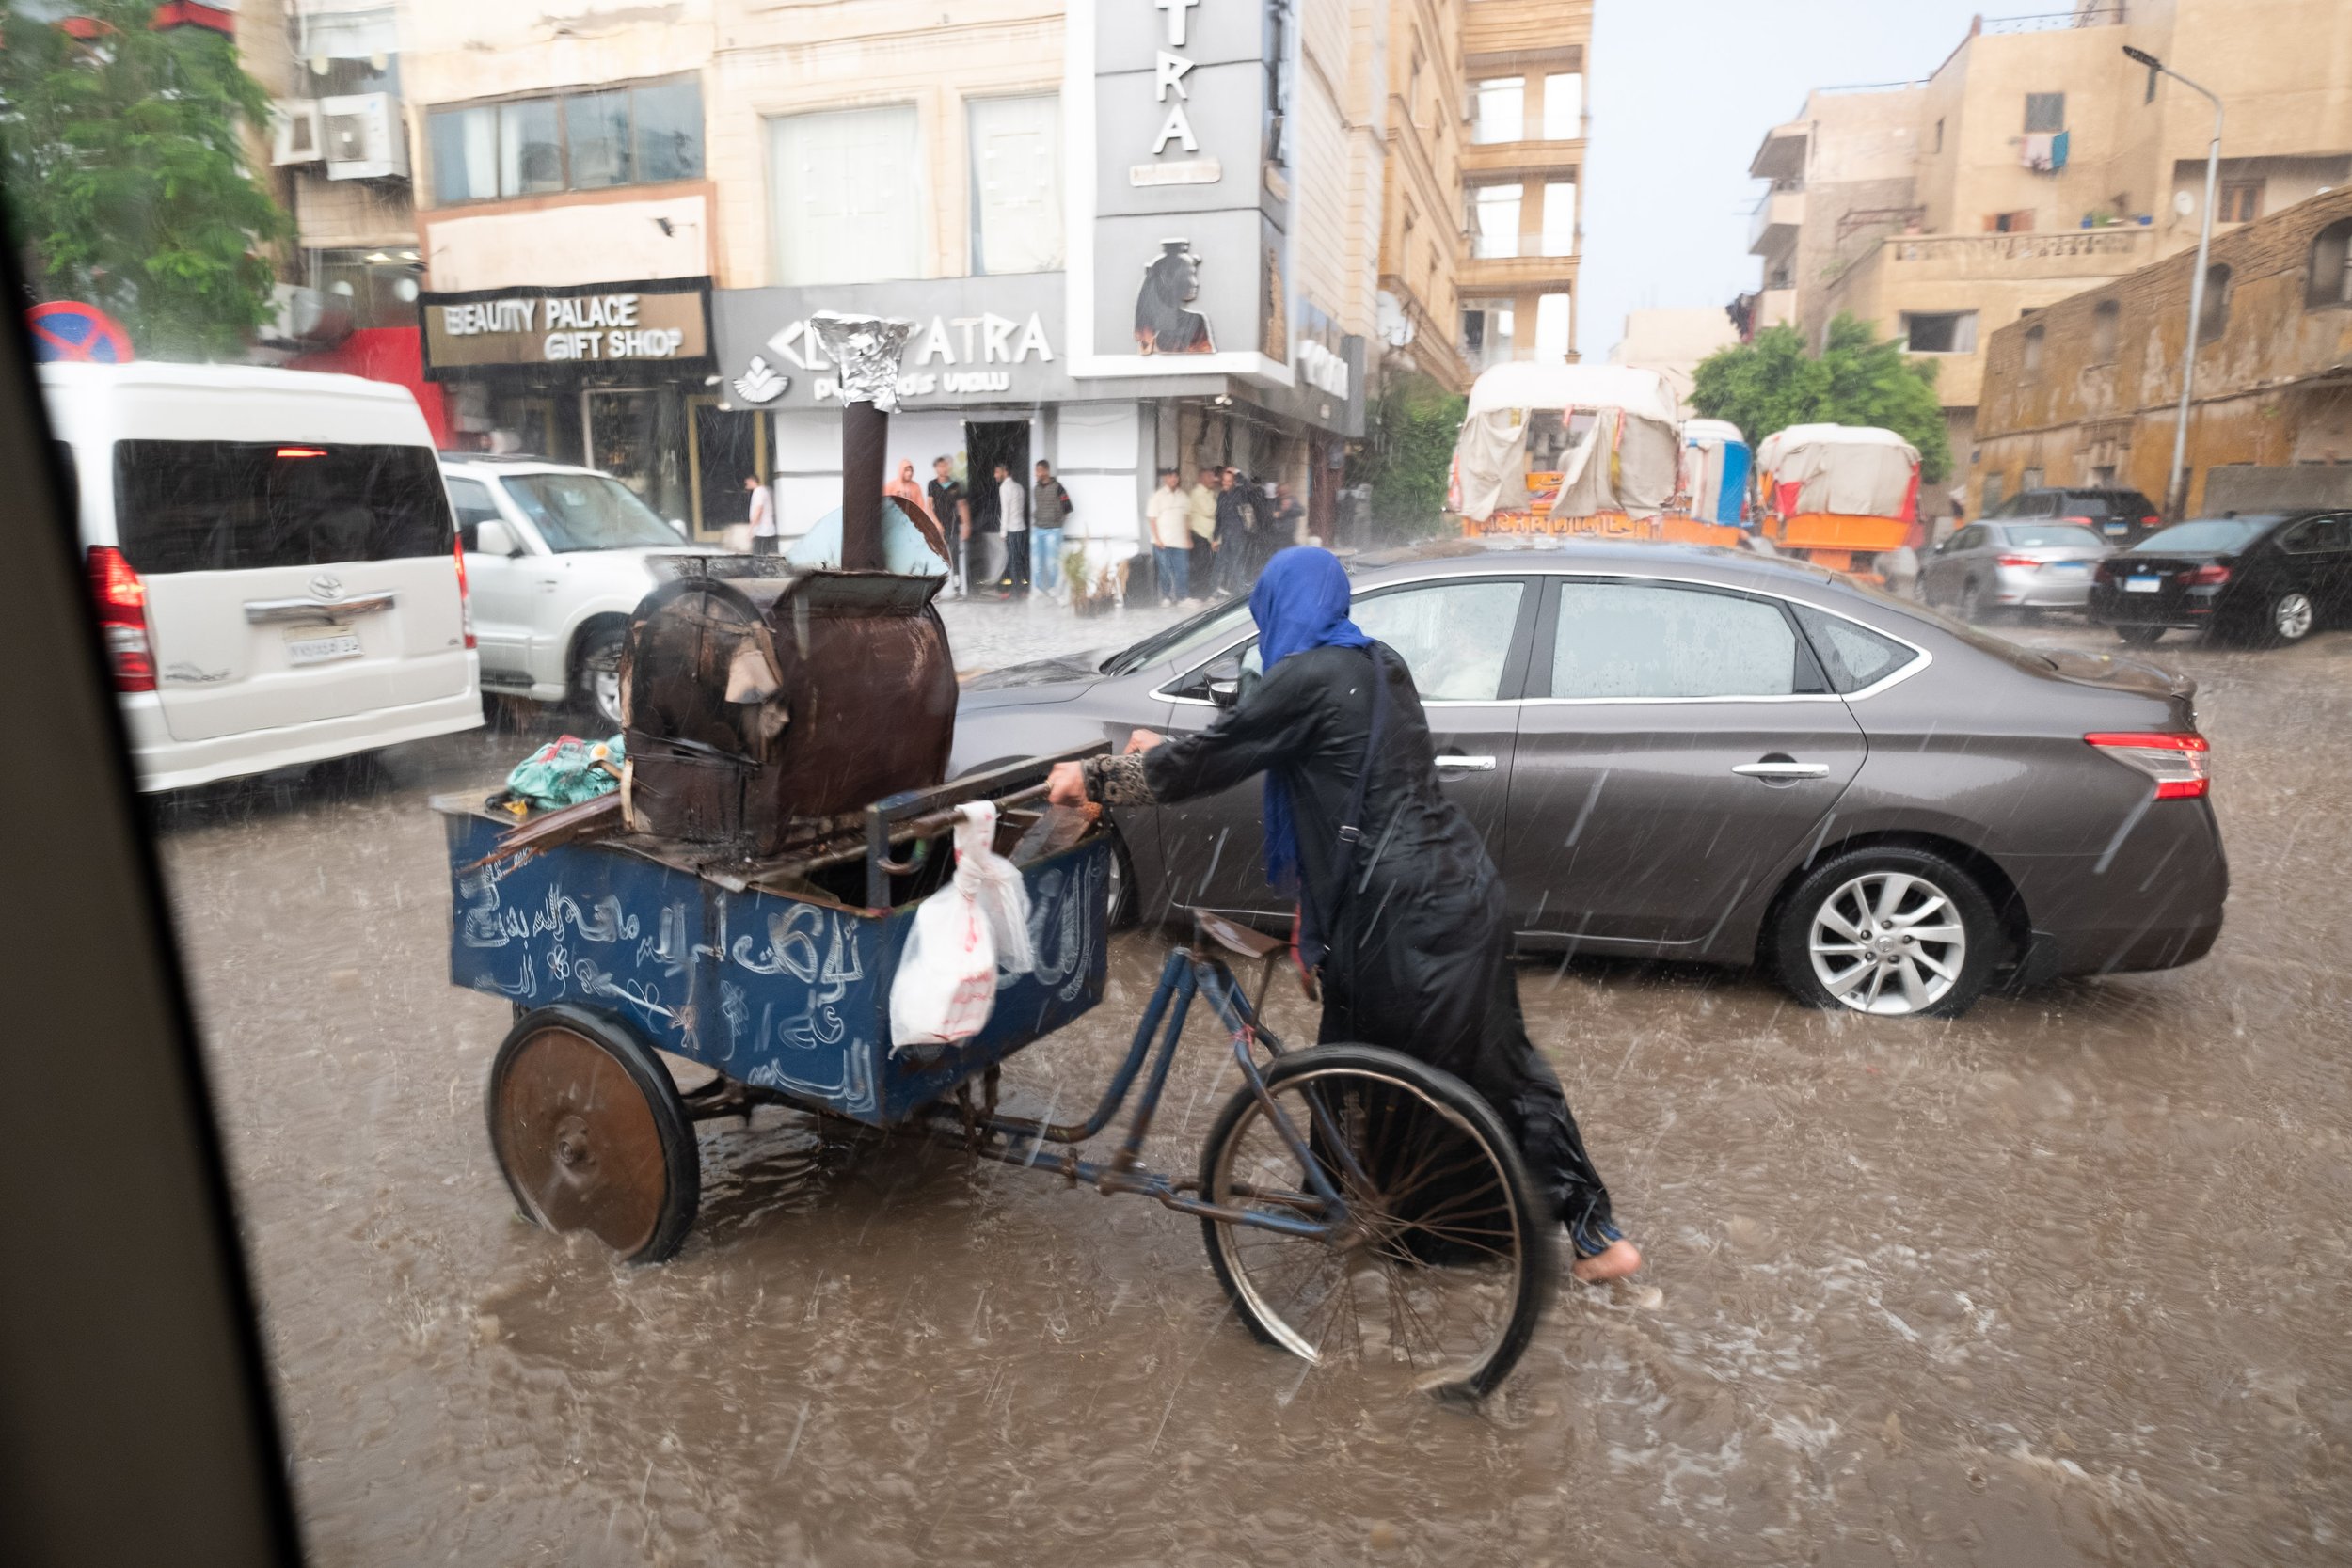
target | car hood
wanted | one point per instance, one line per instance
(1044, 680)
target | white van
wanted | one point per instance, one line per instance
(274, 560)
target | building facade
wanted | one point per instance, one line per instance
(1424, 123)
(1523, 62)
(2085, 391)
(2036, 162)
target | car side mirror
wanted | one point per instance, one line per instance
(1224, 681)
(493, 537)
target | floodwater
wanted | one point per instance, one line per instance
(2061, 1282)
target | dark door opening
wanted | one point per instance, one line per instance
(727, 449)
(985, 445)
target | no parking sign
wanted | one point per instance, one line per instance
(68, 330)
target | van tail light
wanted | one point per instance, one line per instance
(2081, 522)
(2019, 560)
(2150, 521)
(464, 596)
(2211, 575)
(123, 619)
(2178, 762)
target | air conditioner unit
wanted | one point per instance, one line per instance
(364, 137)
(295, 137)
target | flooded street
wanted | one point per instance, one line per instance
(2064, 1281)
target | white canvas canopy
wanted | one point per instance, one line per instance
(1848, 470)
(1627, 461)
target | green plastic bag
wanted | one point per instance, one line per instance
(566, 772)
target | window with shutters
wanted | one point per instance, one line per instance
(1016, 183)
(847, 202)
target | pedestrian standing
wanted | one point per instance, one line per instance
(763, 515)
(954, 512)
(1236, 534)
(1049, 513)
(1203, 498)
(1013, 517)
(1409, 937)
(1289, 519)
(1167, 518)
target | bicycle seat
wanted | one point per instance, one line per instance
(1236, 938)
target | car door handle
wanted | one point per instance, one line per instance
(1782, 769)
(1459, 763)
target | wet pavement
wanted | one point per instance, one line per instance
(2060, 1282)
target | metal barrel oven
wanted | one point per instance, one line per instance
(755, 699)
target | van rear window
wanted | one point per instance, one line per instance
(229, 506)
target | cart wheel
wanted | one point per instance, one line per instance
(1446, 1260)
(591, 1135)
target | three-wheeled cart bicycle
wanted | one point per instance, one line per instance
(1357, 1205)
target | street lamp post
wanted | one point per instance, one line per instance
(2175, 491)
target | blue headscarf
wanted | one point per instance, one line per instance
(1300, 603)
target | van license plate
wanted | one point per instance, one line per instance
(2143, 585)
(2115, 528)
(322, 644)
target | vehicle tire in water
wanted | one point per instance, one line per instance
(589, 1134)
(1895, 932)
(598, 686)
(1445, 1261)
(2289, 618)
(2141, 636)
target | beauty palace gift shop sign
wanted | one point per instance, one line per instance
(604, 325)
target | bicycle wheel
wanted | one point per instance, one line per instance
(1444, 1263)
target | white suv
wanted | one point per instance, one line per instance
(271, 555)
(556, 557)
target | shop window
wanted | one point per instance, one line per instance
(2033, 356)
(1564, 106)
(1552, 320)
(2105, 323)
(2045, 111)
(1495, 220)
(1016, 183)
(1560, 217)
(2329, 280)
(378, 287)
(648, 134)
(1940, 331)
(2241, 202)
(2213, 319)
(1501, 110)
(847, 202)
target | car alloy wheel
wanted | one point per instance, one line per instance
(1889, 942)
(2291, 617)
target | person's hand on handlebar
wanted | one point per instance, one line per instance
(1066, 785)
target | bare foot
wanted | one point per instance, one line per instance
(1620, 1259)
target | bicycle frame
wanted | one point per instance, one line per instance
(1187, 974)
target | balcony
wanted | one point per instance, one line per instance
(1535, 156)
(2090, 253)
(1783, 154)
(1527, 270)
(1777, 218)
(1775, 308)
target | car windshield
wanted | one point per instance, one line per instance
(2205, 535)
(587, 512)
(1199, 633)
(2055, 536)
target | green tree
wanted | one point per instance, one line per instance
(1408, 452)
(129, 178)
(1858, 379)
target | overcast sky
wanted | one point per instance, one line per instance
(1682, 91)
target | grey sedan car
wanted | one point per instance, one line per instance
(1697, 754)
(1987, 568)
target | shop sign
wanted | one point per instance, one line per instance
(991, 339)
(949, 355)
(1319, 355)
(605, 325)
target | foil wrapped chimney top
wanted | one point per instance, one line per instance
(866, 350)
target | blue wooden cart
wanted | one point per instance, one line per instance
(1328, 1169)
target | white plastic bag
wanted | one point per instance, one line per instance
(963, 934)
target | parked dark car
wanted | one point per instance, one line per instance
(1702, 754)
(2270, 577)
(1986, 569)
(2120, 516)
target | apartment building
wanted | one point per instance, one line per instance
(2086, 391)
(1428, 123)
(2036, 162)
(1524, 63)
(1129, 234)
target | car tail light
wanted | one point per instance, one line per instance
(2176, 762)
(2081, 522)
(2208, 575)
(2019, 560)
(464, 596)
(2150, 521)
(122, 618)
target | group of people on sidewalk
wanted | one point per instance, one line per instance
(1217, 536)
(1213, 539)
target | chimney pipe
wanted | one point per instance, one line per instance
(866, 352)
